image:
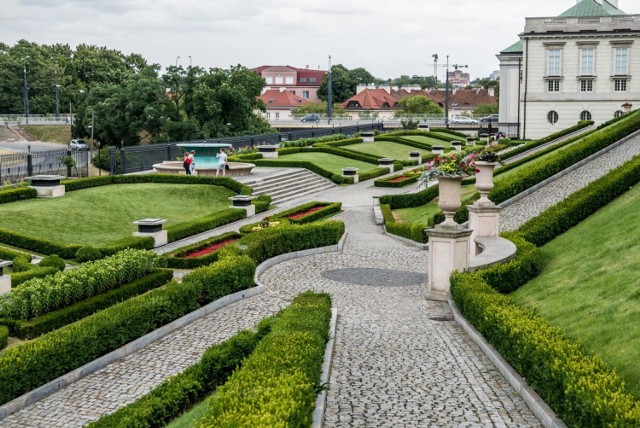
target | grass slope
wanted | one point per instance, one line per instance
(104, 214)
(590, 285)
(50, 133)
(421, 214)
(386, 149)
(428, 140)
(328, 161)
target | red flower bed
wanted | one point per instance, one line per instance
(210, 249)
(401, 178)
(309, 211)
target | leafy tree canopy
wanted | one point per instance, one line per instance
(344, 83)
(320, 108)
(486, 110)
(415, 105)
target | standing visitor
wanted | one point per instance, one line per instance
(222, 162)
(186, 163)
(192, 164)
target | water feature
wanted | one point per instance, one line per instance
(206, 153)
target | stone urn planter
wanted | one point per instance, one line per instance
(484, 180)
(450, 191)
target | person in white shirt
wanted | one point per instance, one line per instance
(222, 163)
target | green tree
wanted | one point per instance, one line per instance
(487, 83)
(320, 108)
(224, 103)
(344, 83)
(414, 105)
(486, 110)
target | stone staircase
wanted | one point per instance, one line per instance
(8, 136)
(289, 184)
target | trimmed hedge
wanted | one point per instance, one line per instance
(4, 336)
(17, 194)
(304, 142)
(176, 259)
(579, 387)
(53, 320)
(8, 254)
(413, 231)
(345, 153)
(180, 392)
(205, 223)
(226, 276)
(404, 142)
(376, 172)
(411, 200)
(42, 295)
(18, 278)
(386, 182)
(262, 203)
(338, 179)
(277, 385)
(455, 134)
(578, 206)
(339, 143)
(328, 209)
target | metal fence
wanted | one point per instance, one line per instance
(512, 130)
(141, 158)
(19, 166)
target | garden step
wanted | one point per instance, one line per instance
(298, 180)
(314, 190)
(276, 177)
(291, 185)
(299, 190)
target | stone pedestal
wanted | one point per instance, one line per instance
(471, 141)
(368, 137)
(457, 145)
(47, 186)
(152, 227)
(415, 156)
(268, 151)
(352, 173)
(484, 138)
(243, 202)
(448, 252)
(437, 150)
(5, 280)
(386, 163)
(484, 221)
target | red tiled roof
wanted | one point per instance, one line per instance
(274, 98)
(372, 99)
(305, 73)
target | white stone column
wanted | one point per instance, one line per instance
(448, 252)
(152, 227)
(484, 221)
(5, 280)
(243, 202)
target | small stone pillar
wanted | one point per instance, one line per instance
(484, 138)
(5, 280)
(471, 141)
(243, 202)
(448, 252)
(386, 163)
(437, 150)
(415, 156)
(484, 215)
(268, 151)
(351, 172)
(423, 127)
(152, 227)
(368, 136)
(48, 186)
(457, 145)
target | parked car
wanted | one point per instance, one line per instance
(463, 120)
(313, 117)
(493, 118)
(78, 145)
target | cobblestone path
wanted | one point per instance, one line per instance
(520, 212)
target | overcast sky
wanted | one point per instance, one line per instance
(388, 38)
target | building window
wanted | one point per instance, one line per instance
(553, 62)
(267, 115)
(618, 113)
(554, 85)
(552, 117)
(289, 80)
(279, 80)
(585, 115)
(586, 85)
(312, 80)
(305, 94)
(621, 61)
(620, 85)
(277, 116)
(303, 80)
(586, 61)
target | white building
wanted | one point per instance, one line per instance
(581, 65)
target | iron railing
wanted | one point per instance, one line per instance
(20, 166)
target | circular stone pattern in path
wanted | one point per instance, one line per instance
(379, 277)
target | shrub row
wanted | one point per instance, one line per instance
(262, 203)
(18, 278)
(580, 388)
(42, 295)
(578, 206)
(413, 231)
(411, 200)
(17, 194)
(376, 172)
(4, 336)
(404, 142)
(8, 254)
(528, 146)
(41, 360)
(457, 135)
(179, 393)
(339, 143)
(304, 142)
(176, 259)
(387, 182)
(345, 153)
(85, 183)
(328, 208)
(534, 174)
(338, 179)
(205, 223)
(247, 157)
(53, 320)
(278, 383)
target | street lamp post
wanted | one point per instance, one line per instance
(329, 94)
(25, 91)
(177, 58)
(57, 87)
(446, 89)
(190, 63)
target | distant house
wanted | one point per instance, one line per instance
(279, 103)
(581, 65)
(302, 82)
(459, 79)
(382, 102)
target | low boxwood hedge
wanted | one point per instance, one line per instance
(4, 336)
(17, 194)
(278, 383)
(376, 172)
(18, 278)
(455, 135)
(53, 320)
(339, 143)
(387, 181)
(262, 203)
(8, 254)
(413, 231)
(211, 221)
(176, 259)
(532, 144)
(328, 208)
(411, 200)
(180, 392)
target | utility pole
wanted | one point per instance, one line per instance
(190, 61)
(57, 93)
(446, 96)
(329, 94)
(25, 90)
(435, 68)
(177, 58)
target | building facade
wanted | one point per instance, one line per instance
(581, 65)
(301, 82)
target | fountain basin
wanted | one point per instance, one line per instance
(206, 153)
(236, 169)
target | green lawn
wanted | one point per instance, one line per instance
(328, 161)
(428, 140)
(590, 285)
(102, 215)
(189, 419)
(387, 149)
(421, 214)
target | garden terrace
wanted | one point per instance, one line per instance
(381, 149)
